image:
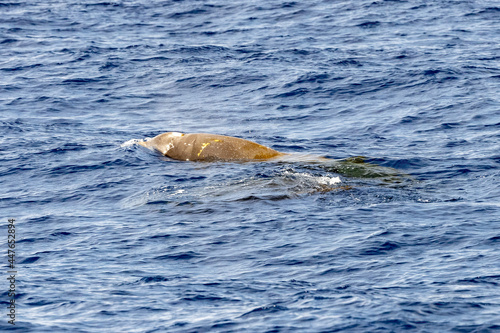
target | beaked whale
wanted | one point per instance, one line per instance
(208, 147)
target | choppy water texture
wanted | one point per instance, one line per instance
(120, 239)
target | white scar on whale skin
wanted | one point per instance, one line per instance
(167, 148)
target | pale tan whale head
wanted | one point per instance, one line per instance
(163, 142)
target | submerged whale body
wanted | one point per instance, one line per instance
(208, 147)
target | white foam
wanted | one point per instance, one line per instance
(133, 142)
(328, 180)
(323, 180)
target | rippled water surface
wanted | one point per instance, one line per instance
(116, 238)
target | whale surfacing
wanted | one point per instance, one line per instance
(214, 147)
(208, 147)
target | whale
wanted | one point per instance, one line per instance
(205, 147)
(208, 147)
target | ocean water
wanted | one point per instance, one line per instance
(112, 237)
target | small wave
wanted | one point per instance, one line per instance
(263, 310)
(369, 24)
(189, 13)
(9, 40)
(153, 279)
(82, 80)
(30, 260)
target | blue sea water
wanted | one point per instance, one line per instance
(115, 238)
